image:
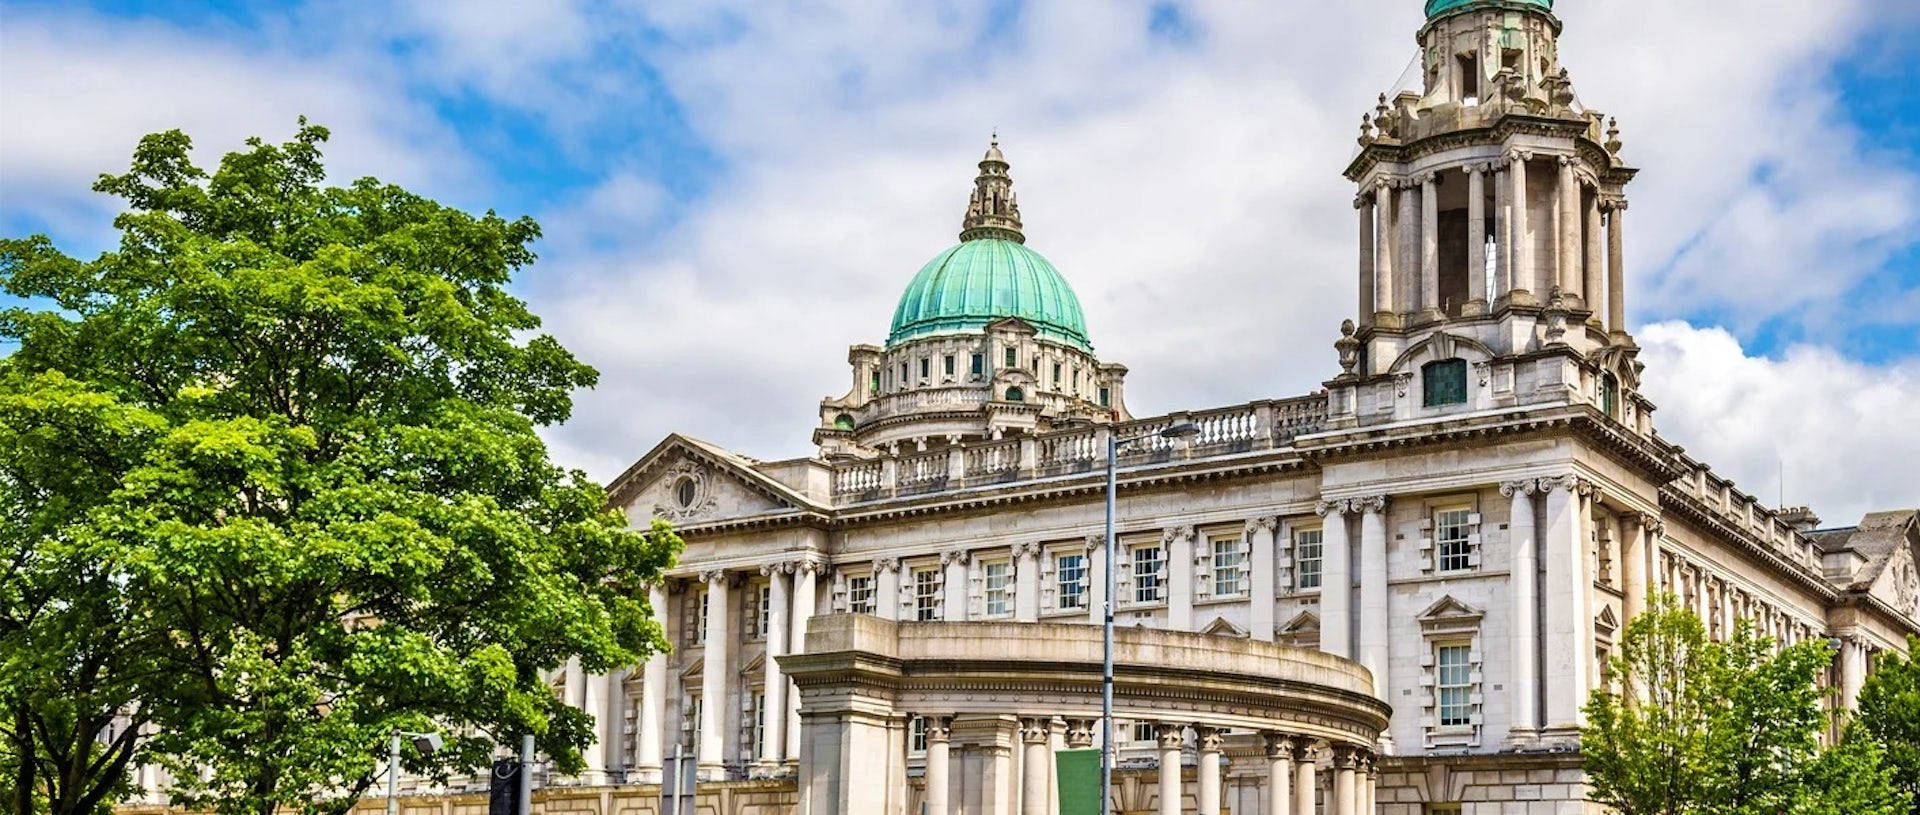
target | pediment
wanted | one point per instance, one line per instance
(687, 481)
(1012, 325)
(1899, 582)
(1221, 626)
(1606, 619)
(1450, 611)
(1303, 622)
(1437, 346)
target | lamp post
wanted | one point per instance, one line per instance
(1183, 430)
(426, 743)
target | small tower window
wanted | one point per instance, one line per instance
(1015, 395)
(873, 384)
(926, 369)
(947, 366)
(1610, 395)
(843, 422)
(903, 376)
(1443, 383)
(1013, 358)
(1056, 376)
(979, 364)
(1469, 78)
(1106, 398)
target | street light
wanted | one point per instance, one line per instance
(1183, 430)
(426, 743)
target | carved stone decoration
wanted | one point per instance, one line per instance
(1169, 735)
(1325, 507)
(1028, 549)
(951, 556)
(1906, 587)
(1348, 348)
(1556, 318)
(886, 564)
(782, 567)
(1253, 525)
(1080, 733)
(689, 492)
(1176, 533)
(1371, 503)
(1524, 486)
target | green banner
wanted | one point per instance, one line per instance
(1079, 772)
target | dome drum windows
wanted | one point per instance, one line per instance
(1443, 383)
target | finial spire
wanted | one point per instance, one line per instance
(993, 211)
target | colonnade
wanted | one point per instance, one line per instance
(1399, 230)
(1290, 763)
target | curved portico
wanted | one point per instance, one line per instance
(987, 704)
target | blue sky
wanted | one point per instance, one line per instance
(734, 191)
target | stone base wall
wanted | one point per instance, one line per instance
(770, 797)
(1504, 784)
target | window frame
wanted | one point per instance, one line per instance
(1432, 396)
(1158, 575)
(1078, 588)
(1237, 547)
(1005, 590)
(1462, 704)
(1460, 558)
(854, 604)
(1301, 574)
(931, 595)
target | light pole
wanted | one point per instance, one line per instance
(426, 743)
(1183, 430)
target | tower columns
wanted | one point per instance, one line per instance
(1503, 231)
(1406, 297)
(1383, 247)
(1524, 634)
(1592, 272)
(1430, 247)
(1521, 265)
(1567, 219)
(1336, 580)
(1616, 269)
(1364, 204)
(1476, 240)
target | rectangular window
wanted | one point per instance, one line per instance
(917, 735)
(999, 579)
(1451, 545)
(926, 594)
(1070, 578)
(759, 718)
(1147, 577)
(1444, 382)
(979, 364)
(1306, 558)
(903, 376)
(1076, 379)
(1056, 376)
(926, 368)
(873, 386)
(700, 620)
(947, 365)
(1443, 809)
(1229, 567)
(1141, 731)
(1013, 358)
(1106, 399)
(1453, 672)
(860, 594)
(765, 627)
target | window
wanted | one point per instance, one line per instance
(691, 726)
(1443, 809)
(926, 594)
(685, 491)
(1452, 541)
(1106, 399)
(1147, 578)
(1070, 577)
(1229, 567)
(947, 365)
(860, 594)
(873, 386)
(926, 366)
(1306, 558)
(700, 620)
(1013, 358)
(1454, 685)
(765, 625)
(1015, 395)
(999, 579)
(1444, 383)
(903, 376)
(1056, 376)
(758, 715)
(1141, 731)
(1610, 395)
(1076, 379)
(917, 734)
(979, 364)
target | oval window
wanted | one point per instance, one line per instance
(685, 491)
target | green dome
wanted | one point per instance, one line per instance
(1436, 7)
(983, 280)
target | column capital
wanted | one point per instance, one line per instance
(1519, 155)
(1176, 533)
(1080, 732)
(1345, 756)
(939, 729)
(712, 576)
(1027, 549)
(1325, 507)
(1373, 504)
(1564, 161)
(1570, 483)
(1264, 522)
(1036, 730)
(886, 564)
(1209, 739)
(1096, 543)
(1363, 200)
(808, 565)
(1524, 486)
(1428, 179)
(1303, 751)
(779, 567)
(952, 556)
(1169, 736)
(1279, 745)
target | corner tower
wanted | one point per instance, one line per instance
(988, 341)
(1490, 205)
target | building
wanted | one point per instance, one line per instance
(1471, 509)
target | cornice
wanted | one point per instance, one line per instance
(1679, 503)
(1508, 125)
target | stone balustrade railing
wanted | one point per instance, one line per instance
(1746, 513)
(1256, 426)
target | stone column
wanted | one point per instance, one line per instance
(713, 677)
(1036, 736)
(653, 700)
(593, 702)
(1853, 670)
(1178, 543)
(1370, 780)
(773, 740)
(1568, 626)
(886, 588)
(1521, 271)
(1343, 770)
(1503, 231)
(1567, 232)
(1430, 247)
(1476, 240)
(1026, 582)
(1407, 294)
(1363, 204)
(1306, 783)
(1097, 578)
(805, 576)
(1170, 738)
(1634, 527)
(1207, 768)
(1336, 580)
(1373, 591)
(1279, 749)
(1616, 268)
(953, 585)
(1383, 248)
(1524, 635)
(939, 742)
(1591, 273)
(1260, 551)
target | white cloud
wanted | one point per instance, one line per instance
(1846, 434)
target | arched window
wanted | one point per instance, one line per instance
(1444, 383)
(843, 422)
(1610, 395)
(1015, 395)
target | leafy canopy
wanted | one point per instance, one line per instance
(271, 485)
(1889, 715)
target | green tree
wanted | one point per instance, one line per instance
(272, 488)
(1889, 715)
(1691, 725)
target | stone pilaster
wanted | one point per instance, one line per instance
(1336, 579)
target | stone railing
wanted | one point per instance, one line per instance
(1256, 426)
(1746, 514)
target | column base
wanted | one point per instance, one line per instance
(1621, 337)
(645, 775)
(1521, 739)
(1386, 319)
(1560, 737)
(1428, 315)
(711, 772)
(1473, 308)
(1521, 297)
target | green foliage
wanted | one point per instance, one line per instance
(1889, 715)
(271, 484)
(1733, 727)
